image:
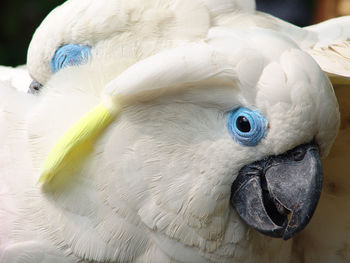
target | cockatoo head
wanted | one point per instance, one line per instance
(133, 29)
(207, 126)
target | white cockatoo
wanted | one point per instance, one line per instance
(171, 131)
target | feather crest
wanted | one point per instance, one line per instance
(80, 136)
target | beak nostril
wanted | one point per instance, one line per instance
(299, 154)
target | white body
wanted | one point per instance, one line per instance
(156, 185)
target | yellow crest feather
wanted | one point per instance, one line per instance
(80, 136)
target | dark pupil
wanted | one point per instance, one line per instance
(243, 124)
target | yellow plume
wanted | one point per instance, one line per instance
(80, 136)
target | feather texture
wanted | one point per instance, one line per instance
(156, 185)
(17, 78)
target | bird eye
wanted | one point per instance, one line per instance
(69, 55)
(247, 127)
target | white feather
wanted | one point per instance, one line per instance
(17, 78)
(157, 185)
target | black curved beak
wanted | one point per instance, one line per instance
(278, 195)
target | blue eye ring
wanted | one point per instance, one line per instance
(247, 127)
(69, 55)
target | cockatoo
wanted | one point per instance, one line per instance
(165, 131)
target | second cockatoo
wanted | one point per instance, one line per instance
(178, 136)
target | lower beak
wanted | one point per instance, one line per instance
(278, 195)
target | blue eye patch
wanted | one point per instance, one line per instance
(70, 55)
(247, 127)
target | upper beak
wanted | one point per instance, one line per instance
(278, 195)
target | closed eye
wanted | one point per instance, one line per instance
(65, 56)
(69, 55)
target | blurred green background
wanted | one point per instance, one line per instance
(18, 21)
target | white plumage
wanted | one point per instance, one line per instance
(15, 77)
(156, 185)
